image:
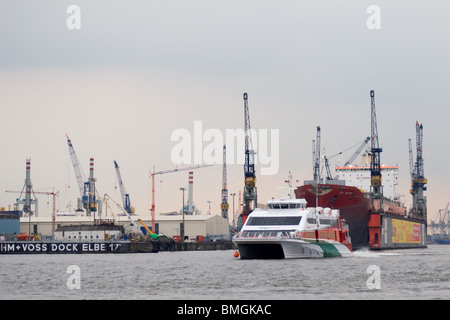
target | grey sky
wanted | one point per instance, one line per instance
(137, 71)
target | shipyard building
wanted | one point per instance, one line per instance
(212, 226)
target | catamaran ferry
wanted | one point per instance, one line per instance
(288, 229)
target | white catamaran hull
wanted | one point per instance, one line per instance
(279, 248)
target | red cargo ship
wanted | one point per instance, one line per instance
(391, 229)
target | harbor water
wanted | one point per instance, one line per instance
(395, 274)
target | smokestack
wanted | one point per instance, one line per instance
(191, 193)
(28, 186)
(91, 169)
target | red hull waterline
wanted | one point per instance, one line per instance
(390, 230)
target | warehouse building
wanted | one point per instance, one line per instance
(213, 226)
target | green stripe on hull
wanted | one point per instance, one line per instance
(329, 249)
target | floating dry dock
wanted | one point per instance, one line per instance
(57, 247)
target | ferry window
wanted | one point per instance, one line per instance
(273, 221)
(284, 205)
(270, 206)
(276, 206)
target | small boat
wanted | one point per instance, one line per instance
(288, 229)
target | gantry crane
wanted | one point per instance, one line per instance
(54, 194)
(27, 201)
(224, 205)
(154, 173)
(376, 188)
(250, 192)
(125, 196)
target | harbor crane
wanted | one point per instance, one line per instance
(133, 225)
(376, 188)
(357, 152)
(316, 156)
(54, 194)
(250, 191)
(152, 176)
(87, 190)
(418, 180)
(224, 206)
(125, 196)
(27, 201)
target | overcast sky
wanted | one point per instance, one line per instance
(136, 71)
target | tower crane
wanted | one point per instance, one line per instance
(376, 187)
(250, 191)
(152, 176)
(125, 196)
(224, 205)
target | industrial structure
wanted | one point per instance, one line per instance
(250, 197)
(376, 191)
(154, 173)
(224, 205)
(376, 221)
(87, 200)
(418, 180)
(440, 229)
(29, 198)
(316, 156)
(125, 195)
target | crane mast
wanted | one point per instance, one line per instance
(125, 196)
(87, 190)
(224, 206)
(316, 154)
(250, 192)
(418, 180)
(375, 164)
(76, 167)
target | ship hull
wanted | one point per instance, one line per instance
(290, 248)
(367, 230)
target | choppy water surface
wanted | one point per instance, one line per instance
(403, 274)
